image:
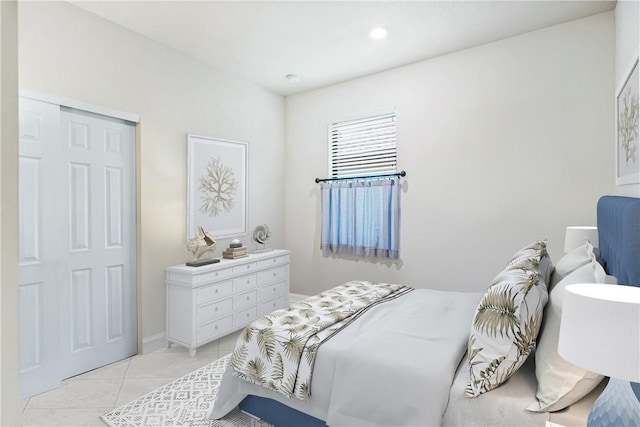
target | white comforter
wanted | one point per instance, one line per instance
(392, 366)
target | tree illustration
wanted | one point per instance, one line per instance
(217, 187)
(628, 125)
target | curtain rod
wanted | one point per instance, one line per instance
(398, 174)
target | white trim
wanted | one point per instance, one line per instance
(153, 343)
(79, 105)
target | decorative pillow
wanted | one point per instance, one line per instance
(507, 319)
(536, 249)
(561, 383)
(571, 261)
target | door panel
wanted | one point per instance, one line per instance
(37, 262)
(101, 244)
(77, 291)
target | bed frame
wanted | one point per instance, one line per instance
(619, 237)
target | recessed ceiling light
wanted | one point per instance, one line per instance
(292, 77)
(378, 33)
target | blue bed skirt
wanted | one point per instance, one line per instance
(278, 414)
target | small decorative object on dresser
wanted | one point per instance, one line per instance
(207, 303)
(260, 236)
(201, 244)
(235, 250)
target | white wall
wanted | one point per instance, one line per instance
(503, 144)
(9, 402)
(627, 16)
(68, 52)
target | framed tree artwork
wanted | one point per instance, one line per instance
(627, 141)
(216, 186)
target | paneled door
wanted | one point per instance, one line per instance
(38, 268)
(85, 306)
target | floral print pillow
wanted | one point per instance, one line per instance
(507, 320)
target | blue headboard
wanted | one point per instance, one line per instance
(619, 236)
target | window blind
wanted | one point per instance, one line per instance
(365, 146)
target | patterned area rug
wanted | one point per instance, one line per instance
(183, 402)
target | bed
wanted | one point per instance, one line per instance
(530, 395)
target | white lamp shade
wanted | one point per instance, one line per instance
(578, 235)
(600, 329)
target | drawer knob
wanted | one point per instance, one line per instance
(248, 298)
(216, 291)
(274, 260)
(215, 327)
(215, 309)
(274, 274)
(248, 267)
(248, 281)
(248, 314)
(274, 289)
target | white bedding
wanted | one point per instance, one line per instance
(392, 366)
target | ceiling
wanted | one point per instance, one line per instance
(327, 42)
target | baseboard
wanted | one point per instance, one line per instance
(153, 343)
(296, 297)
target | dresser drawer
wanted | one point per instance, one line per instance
(273, 305)
(271, 291)
(210, 330)
(210, 292)
(213, 275)
(246, 299)
(215, 309)
(244, 268)
(273, 261)
(244, 283)
(272, 275)
(245, 316)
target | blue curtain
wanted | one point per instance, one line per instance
(361, 218)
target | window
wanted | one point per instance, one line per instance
(365, 146)
(361, 217)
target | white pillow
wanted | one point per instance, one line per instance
(507, 320)
(571, 261)
(561, 383)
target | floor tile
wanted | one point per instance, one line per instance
(78, 394)
(228, 343)
(64, 417)
(167, 364)
(133, 388)
(115, 370)
(82, 399)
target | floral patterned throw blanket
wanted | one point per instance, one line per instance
(278, 351)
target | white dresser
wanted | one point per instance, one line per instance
(206, 303)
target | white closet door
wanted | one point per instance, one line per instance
(98, 295)
(38, 268)
(77, 287)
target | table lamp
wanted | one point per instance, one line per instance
(576, 235)
(600, 332)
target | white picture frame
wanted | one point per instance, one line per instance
(217, 186)
(627, 139)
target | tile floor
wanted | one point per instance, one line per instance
(82, 399)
